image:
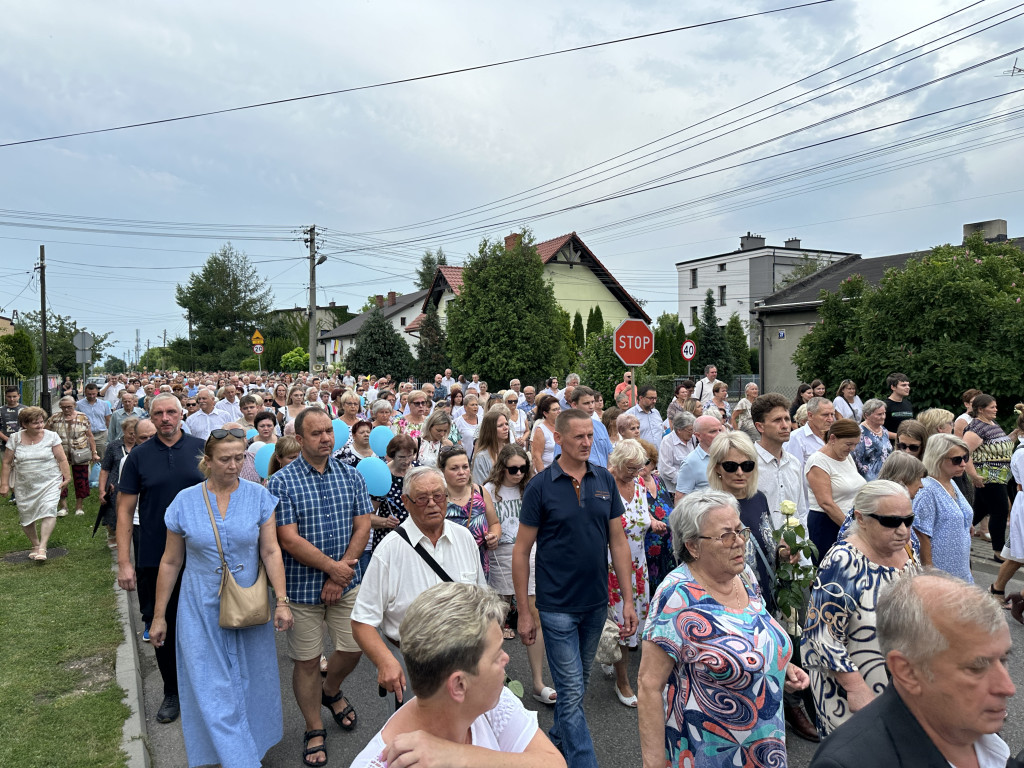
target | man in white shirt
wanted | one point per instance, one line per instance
(517, 387)
(811, 436)
(111, 391)
(348, 380)
(703, 390)
(694, 472)
(447, 380)
(474, 384)
(647, 414)
(675, 447)
(397, 573)
(208, 417)
(779, 473)
(230, 404)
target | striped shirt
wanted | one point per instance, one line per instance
(324, 506)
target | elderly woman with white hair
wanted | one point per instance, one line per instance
(942, 516)
(874, 446)
(713, 649)
(840, 645)
(452, 642)
(675, 447)
(626, 461)
(740, 418)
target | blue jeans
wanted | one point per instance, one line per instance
(570, 641)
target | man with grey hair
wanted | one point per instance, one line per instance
(811, 436)
(946, 644)
(208, 418)
(404, 564)
(675, 447)
(693, 473)
(129, 408)
(565, 396)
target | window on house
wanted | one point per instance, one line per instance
(402, 321)
(693, 278)
(693, 316)
(721, 267)
(721, 295)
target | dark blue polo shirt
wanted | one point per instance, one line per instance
(158, 473)
(572, 536)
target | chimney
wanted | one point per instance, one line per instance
(391, 298)
(994, 231)
(793, 242)
(331, 304)
(749, 242)
(511, 241)
(380, 300)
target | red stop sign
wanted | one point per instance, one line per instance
(634, 342)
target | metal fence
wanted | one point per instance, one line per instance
(31, 387)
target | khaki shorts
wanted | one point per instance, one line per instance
(306, 637)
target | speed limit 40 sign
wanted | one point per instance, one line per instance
(689, 349)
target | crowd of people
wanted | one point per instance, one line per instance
(537, 513)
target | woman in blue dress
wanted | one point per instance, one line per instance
(228, 683)
(715, 663)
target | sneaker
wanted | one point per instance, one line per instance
(145, 633)
(79, 512)
(169, 710)
(62, 512)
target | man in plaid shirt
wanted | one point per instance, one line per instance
(323, 525)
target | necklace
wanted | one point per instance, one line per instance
(727, 599)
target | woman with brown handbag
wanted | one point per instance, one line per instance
(80, 449)
(228, 680)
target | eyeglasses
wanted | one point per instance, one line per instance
(732, 466)
(729, 537)
(419, 402)
(515, 469)
(891, 521)
(958, 460)
(424, 501)
(220, 434)
(911, 447)
(191, 405)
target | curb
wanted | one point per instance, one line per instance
(129, 677)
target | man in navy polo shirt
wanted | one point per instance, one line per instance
(153, 474)
(572, 510)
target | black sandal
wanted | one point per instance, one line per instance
(307, 751)
(339, 717)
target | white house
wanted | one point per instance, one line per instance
(739, 278)
(400, 310)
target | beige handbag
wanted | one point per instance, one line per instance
(239, 606)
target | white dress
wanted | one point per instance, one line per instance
(1014, 549)
(37, 478)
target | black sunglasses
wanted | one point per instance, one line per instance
(220, 434)
(891, 521)
(958, 460)
(732, 466)
(908, 447)
(516, 470)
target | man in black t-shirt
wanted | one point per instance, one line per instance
(897, 406)
(9, 420)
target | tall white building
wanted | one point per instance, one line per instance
(739, 278)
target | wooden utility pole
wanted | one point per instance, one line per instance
(44, 389)
(314, 262)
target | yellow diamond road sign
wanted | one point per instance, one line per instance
(257, 338)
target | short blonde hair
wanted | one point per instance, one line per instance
(626, 452)
(938, 447)
(725, 442)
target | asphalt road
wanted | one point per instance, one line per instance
(613, 726)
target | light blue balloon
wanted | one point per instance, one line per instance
(262, 460)
(341, 432)
(376, 474)
(251, 434)
(379, 439)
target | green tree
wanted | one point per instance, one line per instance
(227, 300)
(19, 346)
(665, 350)
(739, 345)
(7, 364)
(115, 365)
(296, 360)
(429, 263)
(60, 345)
(505, 321)
(578, 334)
(379, 349)
(432, 351)
(595, 320)
(808, 266)
(713, 350)
(157, 358)
(949, 320)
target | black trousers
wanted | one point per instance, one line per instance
(166, 657)
(992, 500)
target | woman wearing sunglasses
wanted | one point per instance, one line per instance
(840, 647)
(943, 515)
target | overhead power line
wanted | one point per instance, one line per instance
(414, 79)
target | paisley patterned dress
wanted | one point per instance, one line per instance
(724, 694)
(660, 560)
(636, 520)
(839, 635)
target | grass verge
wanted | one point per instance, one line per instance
(59, 633)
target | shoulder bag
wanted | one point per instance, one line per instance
(239, 606)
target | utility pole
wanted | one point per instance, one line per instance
(138, 345)
(44, 389)
(191, 352)
(165, 337)
(313, 264)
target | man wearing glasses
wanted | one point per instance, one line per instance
(208, 417)
(648, 416)
(154, 472)
(403, 566)
(811, 436)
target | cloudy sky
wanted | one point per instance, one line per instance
(713, 117)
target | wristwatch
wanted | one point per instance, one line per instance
(283, 600)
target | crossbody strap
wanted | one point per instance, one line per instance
(216, 533)
(434, 566)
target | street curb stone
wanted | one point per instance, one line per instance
(129, 677)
